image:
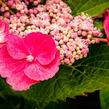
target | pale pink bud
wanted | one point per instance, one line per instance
(74, 35)
(67, 61)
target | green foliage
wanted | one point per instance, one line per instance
(86, 75)
(59, 105)
(43, 1)
(99, 24)
(91, 7)
(104, 98)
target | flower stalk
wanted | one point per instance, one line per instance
(100, 39)
(8, 7)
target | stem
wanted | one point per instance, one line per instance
(98, 16)
(101, 39)
(64, 0)
(9, 9)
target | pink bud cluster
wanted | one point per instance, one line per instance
(72, 35)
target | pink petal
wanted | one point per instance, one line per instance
(7, 63)
(2, 26)
(20, 81)
(106, 13)
(42, 46)
(13, 70)
(30, 42)
(6, 28)
(36, 71)
(4, 31)
(2, 44)
(15, 47)
(3, 37)
(106, 27)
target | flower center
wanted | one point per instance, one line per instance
(29, 58)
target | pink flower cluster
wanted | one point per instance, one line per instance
(72, 35)
(26, 61)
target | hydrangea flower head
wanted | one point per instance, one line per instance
(26, 61)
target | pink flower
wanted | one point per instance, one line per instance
(106, 27)
(4, 31)
(106, 13)
(26, 61)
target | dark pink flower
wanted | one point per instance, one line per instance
(26, 61)
(4, 31)
(106, 13)
(106, 27)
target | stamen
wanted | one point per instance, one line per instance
(29, 58)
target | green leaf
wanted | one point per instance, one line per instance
(86, 75)
(59, 105)
(99, 24)
(91, 7)
(43, 1)
(104, 99)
